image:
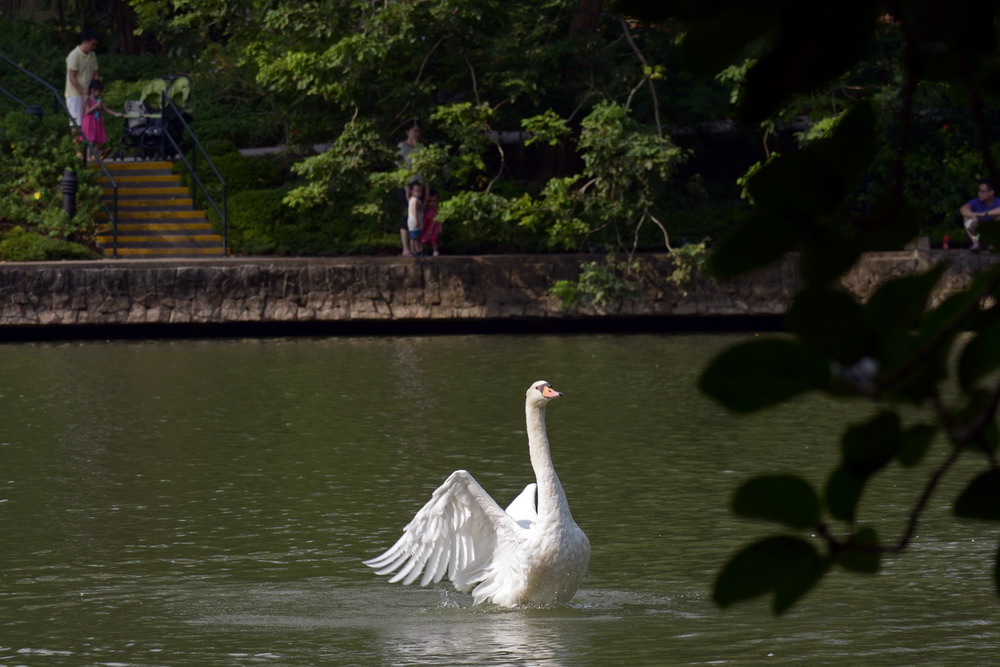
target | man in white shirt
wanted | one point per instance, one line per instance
(81, 69)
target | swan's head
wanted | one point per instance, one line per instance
(541, 392)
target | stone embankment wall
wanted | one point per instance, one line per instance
(383, 289)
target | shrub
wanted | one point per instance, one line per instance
(33, 157)
(255, 217)
(218, 146)
(259, 223)
(609, 282)
(241, 172)
(20, 245)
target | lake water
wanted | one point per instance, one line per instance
(210, 502)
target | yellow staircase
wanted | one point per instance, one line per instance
(156, 216)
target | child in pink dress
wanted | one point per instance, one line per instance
(93, 122)
(432, 228)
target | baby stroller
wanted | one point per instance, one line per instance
(149, 118)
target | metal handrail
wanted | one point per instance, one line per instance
(59, 103)
(195, 179)
(28, 108)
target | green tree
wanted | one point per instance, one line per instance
(514, 98)
(893, 350)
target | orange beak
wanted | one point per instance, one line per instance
(549, 392)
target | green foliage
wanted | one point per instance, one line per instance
(34, 154)
(689, 261)
(245, 173)
(260, 223)
(256, 219)
(602, 283)
(942, 170)
(619, 189)
(466, 128)
(547, 128)
(477, 220)
(19, 245)
(559, 214)
(240, 173)
(624, 162)
(748, 177)
(349, 168)
(897, 349)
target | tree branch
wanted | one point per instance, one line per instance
(648, 78)
(475, 90)
(666, 237)
(423, 64)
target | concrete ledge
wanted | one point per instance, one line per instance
(366, 291)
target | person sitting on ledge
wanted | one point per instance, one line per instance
(984, 206)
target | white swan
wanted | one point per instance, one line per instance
(532, 553)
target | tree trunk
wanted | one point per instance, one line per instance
(563, 159)
(584, 21)
(68, 40)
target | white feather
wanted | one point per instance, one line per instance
(532, 553)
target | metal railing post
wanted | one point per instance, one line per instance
(192, 166)
(225, 221)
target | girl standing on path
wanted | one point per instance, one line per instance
(93, 122)
(432, 228)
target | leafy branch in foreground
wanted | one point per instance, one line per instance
(896, 348)
(899, 355)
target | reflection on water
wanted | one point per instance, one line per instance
(210, 503)
(445, 636)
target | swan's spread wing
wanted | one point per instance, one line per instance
(456, 532)
(524, 508)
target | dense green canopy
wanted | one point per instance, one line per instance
(565, 124)
(544, 123)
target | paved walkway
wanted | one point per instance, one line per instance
(274, 150)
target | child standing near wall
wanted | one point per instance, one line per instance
(432, 228)
(415, 218)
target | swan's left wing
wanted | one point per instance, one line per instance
(456, 532)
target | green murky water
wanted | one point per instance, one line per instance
(209, 503)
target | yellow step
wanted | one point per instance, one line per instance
(207, 238)
(156, 215)
(146, 178)
(168, 190)
(134, 166)
(109, 252)
(158, 227)
(139, 204)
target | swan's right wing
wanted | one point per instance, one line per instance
(456, 532)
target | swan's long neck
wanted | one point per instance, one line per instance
(551, 497)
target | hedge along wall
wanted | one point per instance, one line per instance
(389, 289)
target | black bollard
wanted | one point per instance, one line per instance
(69, 186)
